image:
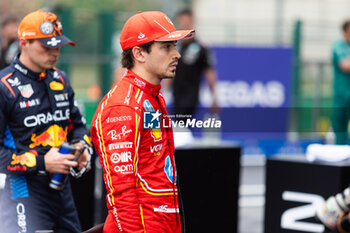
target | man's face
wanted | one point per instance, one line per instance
(347, 34)
(184, 22)
(162, 60)
(40, 57)
(9, 31)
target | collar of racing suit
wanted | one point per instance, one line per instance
(154, 90)
(141, 83)
(27, 72)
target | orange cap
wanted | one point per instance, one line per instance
(149, 26)
(44, 27)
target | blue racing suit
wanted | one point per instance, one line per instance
(37, 112)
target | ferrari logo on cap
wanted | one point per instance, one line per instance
(53, 41)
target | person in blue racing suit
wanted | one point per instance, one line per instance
(37, 114)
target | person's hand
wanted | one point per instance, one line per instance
(215, 107)
(84, 158)
(56, 162)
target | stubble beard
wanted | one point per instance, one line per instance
(170, 76)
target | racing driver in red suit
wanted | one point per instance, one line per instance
(132, 134)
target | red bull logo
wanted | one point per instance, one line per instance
(27, 159)
(53, 137)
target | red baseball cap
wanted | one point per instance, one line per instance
(149, 26)
(44, 27)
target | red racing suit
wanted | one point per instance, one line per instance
(134, 141)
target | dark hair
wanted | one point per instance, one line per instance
(127, 60)
(185, 11)
(346, 25)
(8, 20)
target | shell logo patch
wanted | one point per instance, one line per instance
(56, 86)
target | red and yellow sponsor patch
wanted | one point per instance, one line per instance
(56, 86)
(53, 137)
(87, 139)
(27, 159)
(156, 134)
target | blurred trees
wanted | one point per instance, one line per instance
(112, 5)
(85, 14)
(18, 8)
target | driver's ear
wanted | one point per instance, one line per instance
(138, 54)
